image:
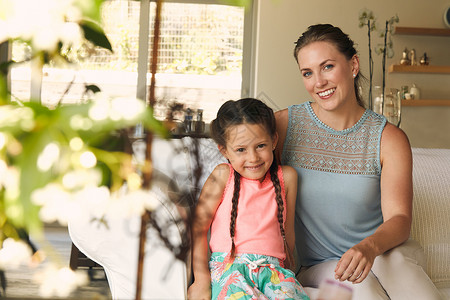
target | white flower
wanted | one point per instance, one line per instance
(126, 108)
(59, 282)
(56, 204)
(46, 39)
(100, 108)
(88, 159)
(116, 109)
(2, 140)
(81, 178)
(48, 156)
(10, 180)
(14, 253)
(11, 116)
(42, 22)
(127, 204)
(94, 200)
(3, 170)
(71, 34)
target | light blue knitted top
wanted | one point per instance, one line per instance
(338, 201)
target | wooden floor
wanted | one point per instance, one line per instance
(21, 284)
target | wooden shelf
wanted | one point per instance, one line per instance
(422, 31)
(419, 69)
(426, 102)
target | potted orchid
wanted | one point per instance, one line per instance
(54, 158)
(368, 19)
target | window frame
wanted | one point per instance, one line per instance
(248, 53)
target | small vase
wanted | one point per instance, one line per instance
(377, 96)
(415, 92)
(392, 107)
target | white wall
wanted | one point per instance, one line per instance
(282, 21)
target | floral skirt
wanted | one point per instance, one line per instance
(252, 276)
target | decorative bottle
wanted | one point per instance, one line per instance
(199, 123)
(415, 92)
(188, 121)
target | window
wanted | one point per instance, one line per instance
(201, 57)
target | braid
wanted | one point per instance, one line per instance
(235, 200)
(279, 199)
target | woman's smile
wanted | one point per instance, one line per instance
(327, 93)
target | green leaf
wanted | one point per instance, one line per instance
(92, 88)
(4, 66)
(90, 9)
(95, 34)
(244, 3)
(3, 90)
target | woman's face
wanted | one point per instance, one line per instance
(328, 74)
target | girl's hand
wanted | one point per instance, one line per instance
(356, 263)
(199, 291)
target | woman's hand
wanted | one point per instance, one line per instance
(199, 291)
(356, 263)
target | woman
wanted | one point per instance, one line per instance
(354, 205)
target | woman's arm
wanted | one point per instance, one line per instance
(396, 206)
(290, 184)
(208, 202)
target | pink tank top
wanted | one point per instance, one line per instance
(257, 227)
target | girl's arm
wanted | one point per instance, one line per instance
(208, 202)
(396, 206)
(290, 184)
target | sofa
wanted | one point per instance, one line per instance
(177, 173)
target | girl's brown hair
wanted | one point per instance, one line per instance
(249, 111)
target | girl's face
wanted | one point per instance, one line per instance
(328, 74)
(249, 149)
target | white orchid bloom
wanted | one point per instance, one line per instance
(10, 180)
(56, 204)
(126, 108)
(94, 200)
(43, 22)
(127, 204)
(81, 178)
(59, 282)
(100, 108)
(3, 170)
(48, 157)
(14, 253)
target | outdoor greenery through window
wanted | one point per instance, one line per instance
(199, 63)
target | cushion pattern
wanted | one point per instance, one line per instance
(431, 210)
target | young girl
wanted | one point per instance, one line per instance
(249, 206)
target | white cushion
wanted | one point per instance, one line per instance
(431, 210)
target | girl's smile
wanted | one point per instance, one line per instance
(249, 149)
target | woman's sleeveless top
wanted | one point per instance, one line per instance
(338, 202)
(257, 228)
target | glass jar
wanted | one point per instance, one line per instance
(377, 96)
(404, 91)
(392, 107)
(199, 123)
